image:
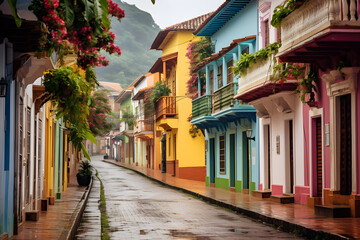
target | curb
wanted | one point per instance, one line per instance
(71, 227)
(280, 224)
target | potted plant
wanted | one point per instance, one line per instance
(84, 174)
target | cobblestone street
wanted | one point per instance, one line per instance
(141, 209)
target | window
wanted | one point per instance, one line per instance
(230, 74)
(220, 73)
(266, 32)
(245, 51)
(222, 153)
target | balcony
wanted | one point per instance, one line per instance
(165, 107)
(319, 29)
(224, 97)
(256, 84)
(146, 125)
(202, 106)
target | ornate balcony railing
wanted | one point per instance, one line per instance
(202, 106)
(224, 97)
(166, 107)
(317, 15)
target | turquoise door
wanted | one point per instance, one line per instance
(232, 160)
(212, 160)
(245, 162)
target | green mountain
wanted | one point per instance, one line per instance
(134, 34)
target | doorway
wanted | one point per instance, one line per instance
(290, 156)
(345, 144)
(245, 158)
(267, 157)
(232, 160)
(212, 160)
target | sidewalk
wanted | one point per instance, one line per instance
(288, 217)
(60, 221)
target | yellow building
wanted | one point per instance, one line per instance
(178, 150)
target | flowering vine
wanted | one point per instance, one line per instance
(197, 51)
(79, 26)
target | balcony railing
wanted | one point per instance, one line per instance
(317, 15)
(202, 106)
(145, 125)
(224, 97)
(256, 76)
(166, 107)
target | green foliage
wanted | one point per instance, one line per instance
(105, 227)
(283, 10)
(85, 167)
(70, 94)
(160, 90)
(247, 60)
(135, 35)
(306, 82)
(129, 119)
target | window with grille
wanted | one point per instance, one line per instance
(230, 74)
(222, 153)
(220, 73)
(27, 171)
(39, 157)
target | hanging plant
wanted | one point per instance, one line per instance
(160, 90)
(306, 81)
(194, 131)
(129, 118)
(248, 60)
(197, 52)
(70, 95)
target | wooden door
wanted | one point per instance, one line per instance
(345, 145)
(318, 157)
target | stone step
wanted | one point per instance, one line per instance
(282, 199)
(32, 215)
(333, 211)
(261, 193)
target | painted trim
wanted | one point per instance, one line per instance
(222, 183)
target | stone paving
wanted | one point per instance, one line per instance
(142, 209)
(281, 214)
(90, 226)
(57, 220)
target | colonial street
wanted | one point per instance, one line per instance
(141, 209)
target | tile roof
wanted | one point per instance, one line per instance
(189, 25)
(222, 52)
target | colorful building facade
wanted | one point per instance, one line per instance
(231, 157)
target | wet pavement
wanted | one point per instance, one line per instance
(297, 217)
(90, 226)
(142, 209)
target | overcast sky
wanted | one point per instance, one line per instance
(169, 12)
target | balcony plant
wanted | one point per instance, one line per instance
(84, 174)
(160, 90)
(284, 10)
(248, 60)
(128, 117)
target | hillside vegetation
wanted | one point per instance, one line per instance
(134, 35)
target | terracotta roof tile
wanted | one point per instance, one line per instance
(191, 24)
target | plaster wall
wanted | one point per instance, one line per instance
(241, 25)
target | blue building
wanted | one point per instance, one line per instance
(232, 157)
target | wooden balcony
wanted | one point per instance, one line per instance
(202, 106)
(319, 29)
(145, 125)
(224, 97)
(256, 83)
(166, 107)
